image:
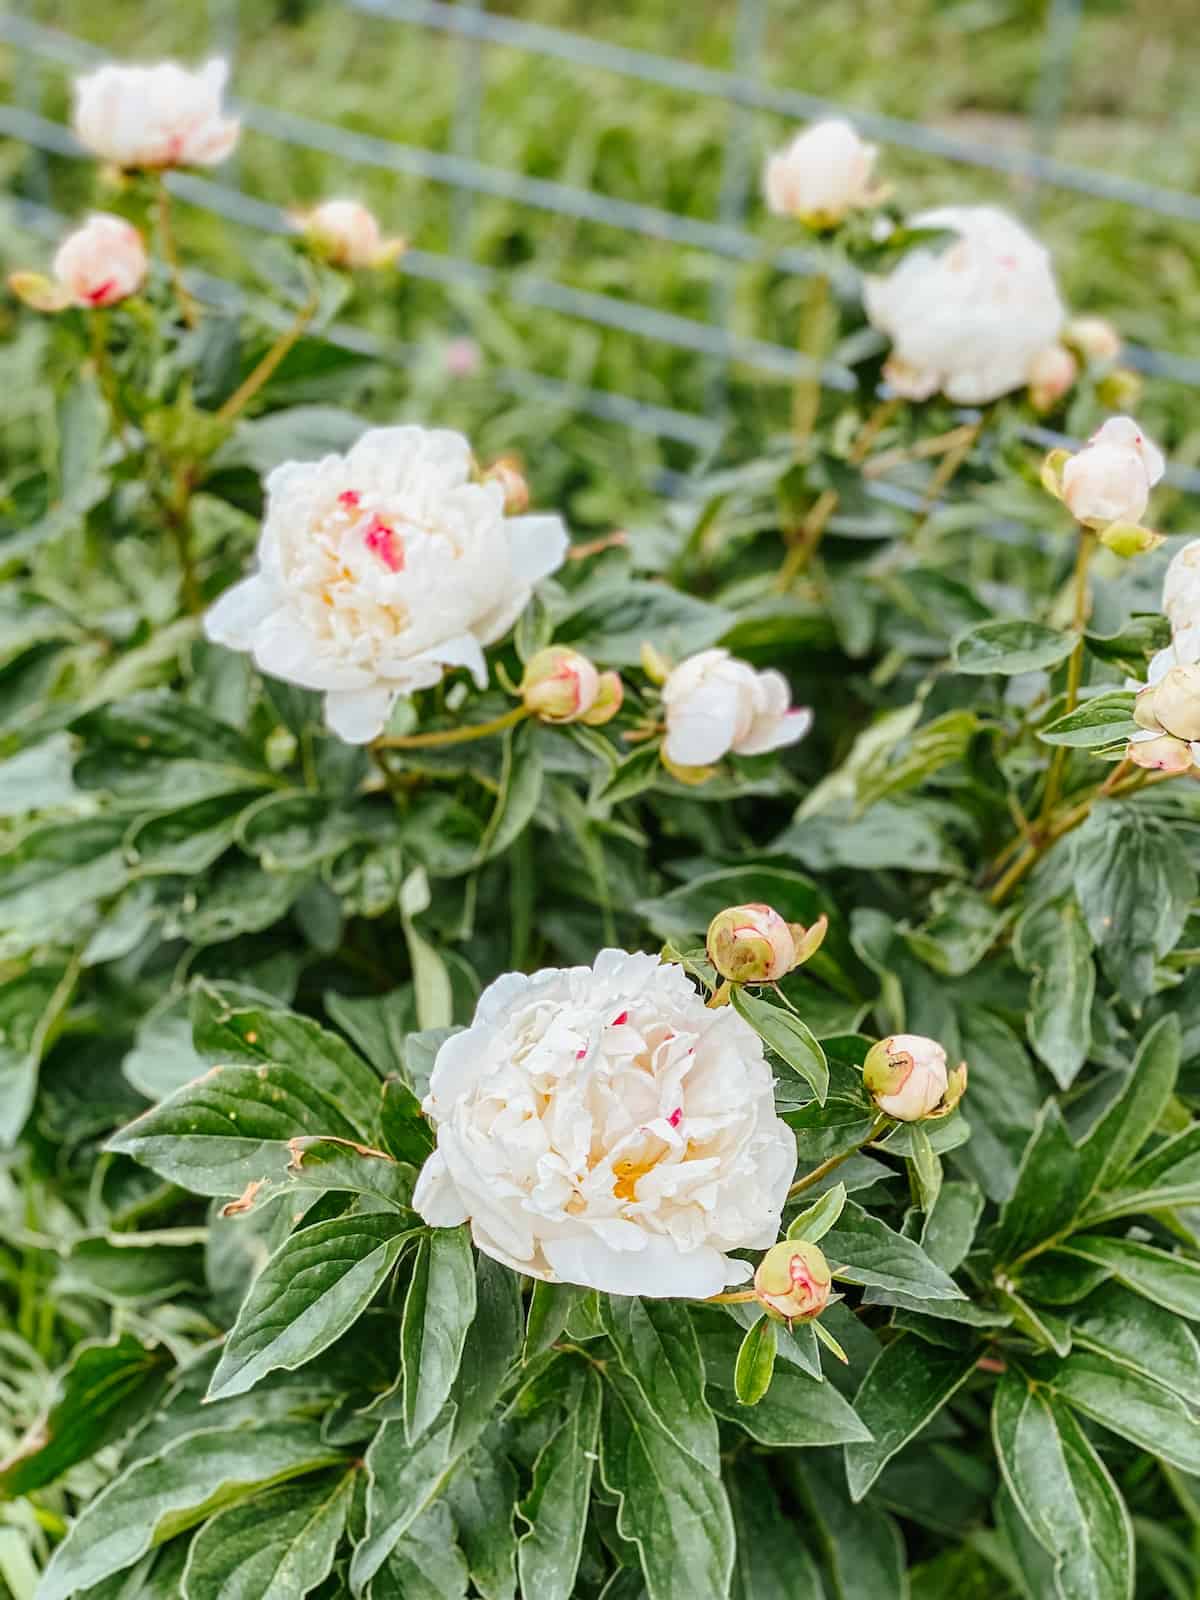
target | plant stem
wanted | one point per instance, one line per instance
(826, 1167)
(175, 508)
(947, 467)
(806, 395)
(254, 380)
(1083, 559)
(166, 236)
(105, 377)
(444, 736)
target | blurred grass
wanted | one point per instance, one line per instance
(970, 67)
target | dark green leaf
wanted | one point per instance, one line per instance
(279, 1544)
(908, 1384)
(755, 1363)
(863, 1546)
(773, 1560)
(787, 1037)
(438, 1309)
(1051, 943)
(612, 627)
(862, 1249)
(1105, 719)
(1169, 1280)
(1051, 1187)
(1146, 1336)
(1011, 647)
(557, 1503)
(656, 1345)
(1141, 1411)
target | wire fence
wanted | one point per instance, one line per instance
(726, 239)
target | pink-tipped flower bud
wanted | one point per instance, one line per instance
(1110, 479)
(610, 692)
(1094, 337)
(507, 473)
(97, 265)
(345, 234)
(753, 943)
(1160, 753)
(1175, 702)
(559, 685)
(907, 1077)
(793, 1280)
(463, 357)
(1052, 373)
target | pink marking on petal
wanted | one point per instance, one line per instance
(676, 1117)
(579, 1054)
(381, 539)
(350, 498)
(1008, 261)
(618, 1022)
(98, 296)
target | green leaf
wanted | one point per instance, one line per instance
(816, 1222)
(612, 627)
(377, 1025)
(1141, 1411)
(1051, 1187)
(314, 1287)
(862, 1249)
(1135, 885)
(797, 1410)
(277, 1546)
(438, 1309)
(925, 1167)
(106, 1388)
(426, 1564)
(53, 874)
(949, 1227)
(32, 1006)
(1145, 633)
(960, 931)
(863, 1547)
(168, 1493)
(676, 1513)
(549, 1307)
(755, 1363)
(787, 1037)
(657, 1348)
(521, 779)
(773, 1560)
(1011, 647)
(631, 777)
(1112, 1146)
(404, 1480)
(1168, 1280)
(132, 1268)
(1141, 1334)
(481, 1497)
(934, 745)
(687, 911)
(343, 1166)
(1051, 942)
(1103, 720)
(1004, 1100)
(148, 746)
(1063, 1492)
(556, 1506)
(908, 1384)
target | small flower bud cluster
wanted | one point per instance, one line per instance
(907, 1076)
(1106, 485)
(753, 943)
(560, 685)
(98, 265)
(793, 1280)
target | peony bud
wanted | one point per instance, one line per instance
(507, 473)
(1051, 375)
(824, 173)
(1110, 479)
(906, 1074)
(1160, 753)
(752, 944)
(793, 1279)
(610, 692)
(345, 234)
(1174, 702)
(656, 666)
(463, 357)
(1120, 389)
(1094, 337)
(102, 262)
(559, 685)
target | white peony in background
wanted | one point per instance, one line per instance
(381, 569)
(715, 703)
(602, 1126)
(155, 117)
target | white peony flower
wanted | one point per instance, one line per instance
(1181, 602)
(348, 235)
(601, 1126)
(1110, 479)
(821, 175)
(969, 318)
(380, 569)
(715, 703)
(154, 117)
(102, 262)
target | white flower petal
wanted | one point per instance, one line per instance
(538, 546)
(658, 1271)
(358, 715)
(232, 620)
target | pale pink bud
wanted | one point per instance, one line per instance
(102, 262)
(1160, 754)
(1051, 375)
(155, 117)
(507, 473)
(753, 943)
(794, 1280)
(559, 685)
(1110, 479)
(1094, 337)
(907, 1076)
(463, 358)
(345, 234)
(824, 173)
(610, 692)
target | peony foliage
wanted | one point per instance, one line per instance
(583, 1066)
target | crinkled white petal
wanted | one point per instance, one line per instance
(358, 715)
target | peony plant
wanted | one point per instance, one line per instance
(550, 1063)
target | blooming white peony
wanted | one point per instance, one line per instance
(715, 703)
(821, 175)
(380, 569)
(601, 1126)
(1110, 479)
(969, 318)
(102, 262)
(348, 235)
(162, 116)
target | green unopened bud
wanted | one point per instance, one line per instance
(1127, 539)
(752, 944)
(654, 664)
(1120, 389)
(907, 1077)
(610, 692)
(559, 685)
(793, 1280)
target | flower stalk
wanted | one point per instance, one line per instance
(166, 239)
(265, 370)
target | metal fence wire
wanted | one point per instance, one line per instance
(725, 237)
